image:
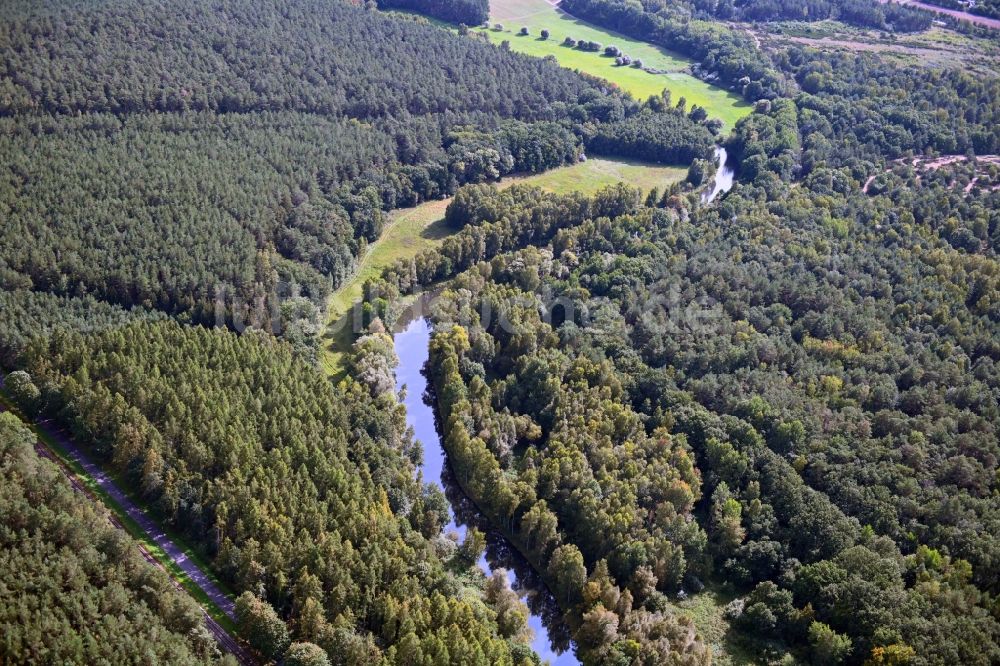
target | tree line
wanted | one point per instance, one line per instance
(723, 56)
(265, 158)
(463, 12)
(892, 17)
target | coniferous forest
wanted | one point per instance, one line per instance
(76, 589)
(758, 424)
(251, 142)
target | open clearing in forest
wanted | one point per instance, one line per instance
(539, 14)
(413, 230)
(707, 610)
(938, 47)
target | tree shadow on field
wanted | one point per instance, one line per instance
(436, 230)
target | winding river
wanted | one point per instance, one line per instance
(411, 340)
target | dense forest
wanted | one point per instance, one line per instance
(814, 358)
(75, 589)
(298, 492)
(790, 393)
(162, 162)
(463, 12)
(836, 462)
(195, 160)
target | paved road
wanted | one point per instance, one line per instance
(149, 526)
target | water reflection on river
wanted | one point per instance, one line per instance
(411, 343)
(724, 176)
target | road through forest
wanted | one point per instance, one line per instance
(147, 524)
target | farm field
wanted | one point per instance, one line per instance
(413, 230)
(537, 15)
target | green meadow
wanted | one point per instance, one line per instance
(413, 230)
(537, 15)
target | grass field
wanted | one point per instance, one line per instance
(538, 14)
(413, 230)
(597, 172)
(410, 232)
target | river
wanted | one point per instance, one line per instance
(411, 343)
(724, 176)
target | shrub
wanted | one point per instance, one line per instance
(305, 654)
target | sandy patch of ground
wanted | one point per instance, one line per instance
(855, 45)
(926, 164)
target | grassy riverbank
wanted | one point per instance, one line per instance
(413, 230)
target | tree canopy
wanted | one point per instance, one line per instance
(73, 588)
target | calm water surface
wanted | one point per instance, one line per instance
(411, 347)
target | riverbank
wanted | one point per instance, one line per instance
(411, 342)
(413, 230)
